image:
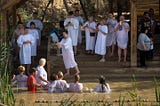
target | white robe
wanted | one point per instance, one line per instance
(41, 73)
(80, 19)
(90, 40)
(67, 52)
(75, 87)
(100, 47)
(106, 89)
(58, 86)
(122, 36)
(35, 35)
(21, 81)
(111, 37)
(25, 49)
(72, 30)
(39, 25)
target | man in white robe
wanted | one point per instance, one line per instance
(72, 25)
(25, 42)
(80, 19)
(122, 29)
(38, 23)
(67, 53)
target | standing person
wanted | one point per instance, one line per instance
(67, 52)
(35, 35)
(21, 78)
(146, 22)
(90, 34)
(103, 86)
(38, 24)
(111, 23)
(100, 47)
(19, 31)
(76, 86)
(143, 45)
(25, 41)
(121, 30)
(80, 19)
(72, 25)
(42, 74)
(31, 81)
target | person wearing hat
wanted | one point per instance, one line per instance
(103, 86)
(21, 78)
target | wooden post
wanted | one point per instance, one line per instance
(3, 27)
(48, 57)
(133, 33)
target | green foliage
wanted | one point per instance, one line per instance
(157, 92)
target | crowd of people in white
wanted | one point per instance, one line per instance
(100, 38)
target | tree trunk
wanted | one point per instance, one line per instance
(83, 8)
(110, 5)
(44, 12)
(66, 5)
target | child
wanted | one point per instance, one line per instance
(103, 86)
(67, 52)
(76, 86)
(31, 81)
(21, 79)
(61, 85)
(51, 86)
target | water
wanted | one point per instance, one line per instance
(42, 98)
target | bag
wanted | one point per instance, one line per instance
(54, 37)
(92, 34)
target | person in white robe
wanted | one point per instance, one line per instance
(102, 86)
(100, 47)
(67, 53)
(59, 85)
(111, 38)
(38, 24)
(90, 35)
(121, 30)
(25, 42)
(35, 35)
(72, 25)
(80, 19)
(21, 78)
(41, 77)
(76, 86)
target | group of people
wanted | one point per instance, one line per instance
(100, 37)
(38, 78)
(25, 41)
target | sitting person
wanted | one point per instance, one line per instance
(21, 78)
(76, 86)
(52, 85)
(103, 86)
(61, 85)
(31, 81)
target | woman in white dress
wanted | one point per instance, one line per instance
(76, 86)
(25, 41)
(111, 38)
(100, 47)
(122, 29)
(67, 53)
(41, 77)
(35, 35)
(90, 34)
(103, 86)
(21, 78)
